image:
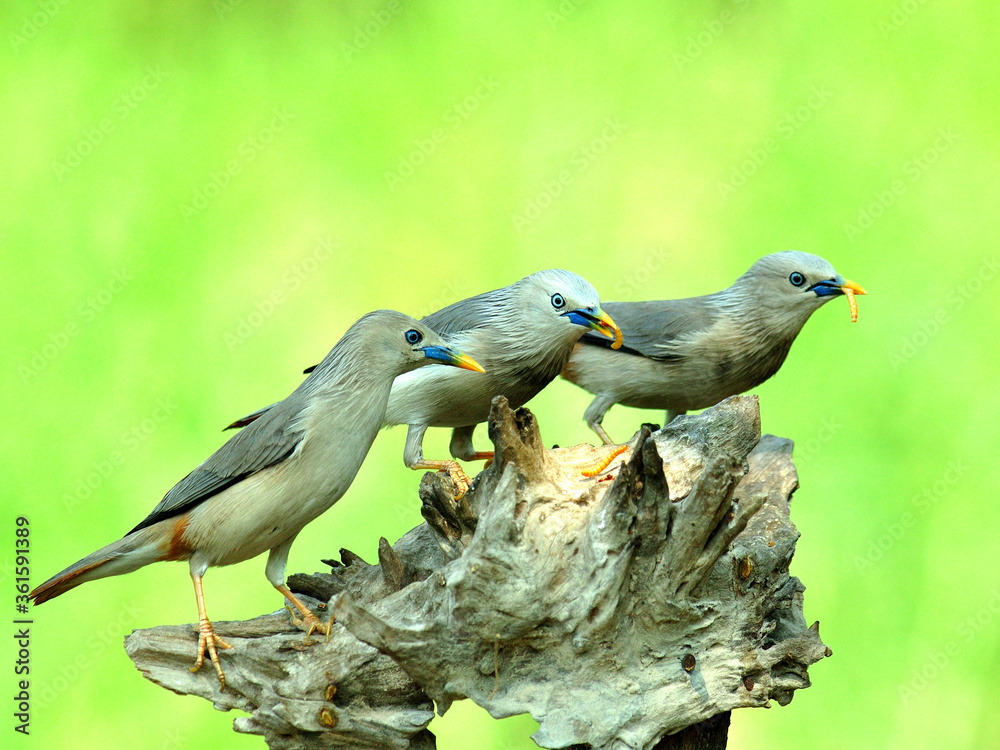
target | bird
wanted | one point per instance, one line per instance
(691, 353)
(257, 491)
(523, 334)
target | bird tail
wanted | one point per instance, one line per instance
(127, 554)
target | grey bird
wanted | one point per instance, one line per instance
(522, 334)
(692, 353)
(256, 492)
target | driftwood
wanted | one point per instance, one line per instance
(614, 611)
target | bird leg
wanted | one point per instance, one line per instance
(486, 456)
(600, 466)
(207, 639)
(462, 448)
(461, 441)
(309, 622)
(596, 427)
(459, 477)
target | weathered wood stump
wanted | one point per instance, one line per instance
(614, 611)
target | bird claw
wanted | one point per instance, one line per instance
(310, 623)
(452, 469)
(207, 639)
(460, 478)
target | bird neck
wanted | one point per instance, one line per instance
(777, 324)
(354, 380)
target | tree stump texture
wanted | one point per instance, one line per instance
(616, 610)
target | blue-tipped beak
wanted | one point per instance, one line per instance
(598, 320)
(835, 286)
(449, 356)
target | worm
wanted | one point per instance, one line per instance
(853, 303)
(606, 462)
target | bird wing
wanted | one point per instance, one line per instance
(255, 415)
(466, 314)
(267, 441)
(463, 315)
(654, 329)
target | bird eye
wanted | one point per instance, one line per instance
(558, 302)
(413, 336)
(797, 279)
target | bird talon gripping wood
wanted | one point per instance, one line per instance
(290, 464)
(691, 353)
(605, 462)
(309, 622)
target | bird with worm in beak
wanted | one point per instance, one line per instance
(691, 353)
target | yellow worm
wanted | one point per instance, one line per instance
(853, 303)
(606, 462)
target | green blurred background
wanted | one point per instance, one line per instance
(198, 198)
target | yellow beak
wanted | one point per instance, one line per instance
(609, 328)
(853, 287)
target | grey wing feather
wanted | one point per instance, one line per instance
(464, 315)
(474, 312)
(255, 415)
(269, 440)
(650, 329)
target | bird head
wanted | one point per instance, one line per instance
(565, 306)
(793, 284)
(412, 344)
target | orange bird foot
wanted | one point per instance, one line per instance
(452, 469)
(597, 468)
(486, 456)
(207, 639)
(310, 623)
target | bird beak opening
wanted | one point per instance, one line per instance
(449, 356)
(598, 320)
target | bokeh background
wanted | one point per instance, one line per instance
(199, 197)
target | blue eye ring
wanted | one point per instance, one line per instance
(558, 302)
(413, 337)
(797, 279)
